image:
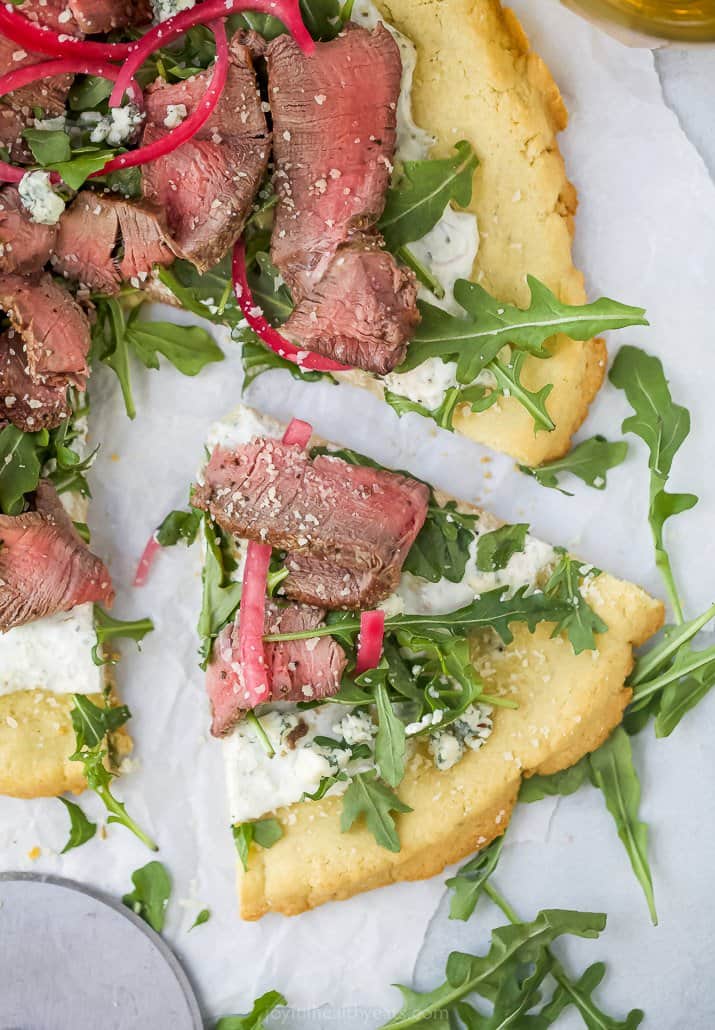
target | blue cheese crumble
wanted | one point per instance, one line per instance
(356, 728)
(39, 199)
(118, 126)
(470, 730)
(164, 9)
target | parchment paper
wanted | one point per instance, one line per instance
(646, 234)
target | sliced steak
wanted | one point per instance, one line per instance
(49, 94)
(334, 128)
(298, 670)
(29, 406)
(334, 140)
(25, 246)
(207, 186)
(45, 567)
(103, 240)
(95, 16)
(362, 312)
(11, 125)
(52, 325)
(360, 519)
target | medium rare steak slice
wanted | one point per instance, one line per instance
(25, 246)
(334, 140)
(334, 128)
(94, 16)
(53, 327)
(362, 312)
(207, 186)
(361, 519)
(29, 406)
(298, 670)
(48, 95)
(104, 240)
(45, 567)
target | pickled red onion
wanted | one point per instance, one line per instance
(146, 561)
(287, 11)
(372, 633)
(252, 614)
(298, 433)
(40, 39)
(191, 125)
(270, 336)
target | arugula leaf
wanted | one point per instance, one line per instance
(92, 726)
(441, 549)
(203, 917)
(511, 947)
(613, 772)
(390, 742)
(495, 549)
(369, 798)
(559, 784)
(109, 345)
(88, 93)
(48, 145)
(416, 203)
(188, 348)
(256, 359)
(81, 829)
(682, 696)
(324, 786)
(152, 890)
(264, 832)
(579, 620)
(179, 525)
(580, 995)
(255, 1019)
(508, 377)
(443, 415)
(207, 294)
(490, 324)
(470, 880)
(589, 461)
(68, 472)
(78, 169)
(21, 459)
(108, 628)
(221, 596)
(663, 426)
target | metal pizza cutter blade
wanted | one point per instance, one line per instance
(73, 959)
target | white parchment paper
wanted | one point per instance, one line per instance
(646, 234)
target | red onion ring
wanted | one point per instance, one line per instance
(372, 634)
(252, 614)
(298, 433)
(146, 561)
(270, 336)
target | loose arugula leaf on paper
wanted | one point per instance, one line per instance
(590, 461)
(469, 883)
(255, 1019)
(81, 828)
(93, 726)
(109, 628)
(150, 897)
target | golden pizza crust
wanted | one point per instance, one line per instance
(36, 740)
(568, 705)
(477, 79)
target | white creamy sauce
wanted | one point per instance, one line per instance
(54, 653)
(257, 784)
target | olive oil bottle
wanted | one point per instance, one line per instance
(669, 19)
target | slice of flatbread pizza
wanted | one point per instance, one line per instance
(50, 582)
(385, 663)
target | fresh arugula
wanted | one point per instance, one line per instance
(48, 145)
(93, 727)
(255, 1019)
(495, 549)
(367, 797)
(150, 897)
(441, 549)
(416, 201)
(81, 828)
(264, 832)
(390, 742)
(508, 976)
(108, 628)
(559, 784)
(22, 456)
(221, 596)
(590, 461)
(203, 917)
(75, 171)
(663, 426)
(469, 883)
(115, 336)
(579, 620)
(613, 772)
(179, 526)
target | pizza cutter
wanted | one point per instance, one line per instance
(73, 959)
